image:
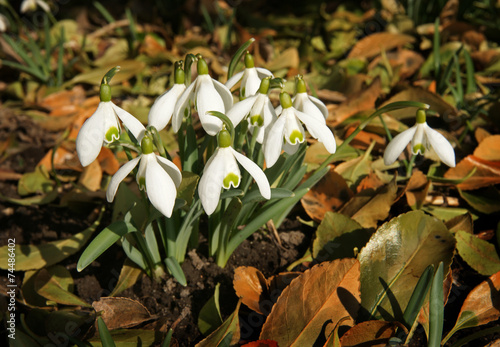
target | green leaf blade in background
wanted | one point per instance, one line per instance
(395, 258)
(479, 254)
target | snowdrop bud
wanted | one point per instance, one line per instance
(224, 138)
(146, 145)
(249, 63)
(202, 66)
(285, 100)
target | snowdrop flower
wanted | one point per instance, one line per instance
(157, 175)
(222, 171)
(288, 133)
(258, 109)
(250, 78)
(422, 137)
(4, 23)
(103, 127)
(308, 103)
(31, 5)
(163, 107)
(208, 95)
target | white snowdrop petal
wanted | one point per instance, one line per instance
(210, 185)
(225, 94)
(240, 110)
(119, 176)
(256, 172)
(263, 73)
(291, 149)
(160, 187)
(319, 130)
(252, 83)
(207, 99)
(292, 126)
(181, 105)
(130, 122)
(234, 79)
(320, 105)
(397, 145)
(90, 138)
(172, 170)
(274, 142)
(163, 107)
(441, 146)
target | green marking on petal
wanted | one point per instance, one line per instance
(418, 148)
(296, 136)
(242, 94)
(257, 120)
(142, 183)
(231, 178)
(112, 134)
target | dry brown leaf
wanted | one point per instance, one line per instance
(436, 103)
(370, 206)
(250, 285)
(482, 305)
(289, 58)
(373, 333)
(121, 312)
(63, 160)
(108, 162)
(361, 101)
(329, 194)
(485, 58)
(480, 134)
(416, 189)
(310, 307)
(462, 222)
(258, 293)
(261, 343)
(9, 175)
(372, 181)
(364, 139)
(91, 176)
(489, 148)
(374, 44)
(408, 62)
(65, 99)
(487, 173)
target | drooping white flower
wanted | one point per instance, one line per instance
(288, 133)
(158, 176)
(163, 107)
(4, 23)
(31, 5)
(103, 127)
(308, 103)
(208, 95)
(258, 109)
(222, 171)
(250, 78)
(422, 138)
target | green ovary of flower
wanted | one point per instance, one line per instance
(146, 145)
(296, 136)
(257, 120)
(418, 147)
(231, 178)
(112, 134)
(142, 182)
(105, 92)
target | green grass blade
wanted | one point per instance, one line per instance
(436, 308)
(237, 57)
(168, 338)
(104, 334)
(60, 56)
(458, 79)
(418, 296)
(152, 244)
(469, 73)
(175, 269)
(436, 50)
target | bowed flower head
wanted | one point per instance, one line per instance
(422, 138)
(163, 108)
(222, 171)
(258, 109)
(103, 126)
(250, 78)
(158, 176)
(208, 95)
(308, 103)
(288, 132)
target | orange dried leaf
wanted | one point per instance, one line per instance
(250, 285)
(63, 160)
(262, 343)
(91, 176)
(121, 312)
(374, 44)
(310, 307)
(363, 139)
(108, 161)
(489, 148)
(329, 194)
(487, 173)
(64, 99)
(372, 181)
(373, 333)
(480, 134)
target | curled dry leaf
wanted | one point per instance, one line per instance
(487, 173)
(121, 312)
(373, 333)
(374, 44)
(262, 343)
(416, 189)
(310, 307)
(406, 61)
(257, 292)
(489, 148)
(329, 194)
